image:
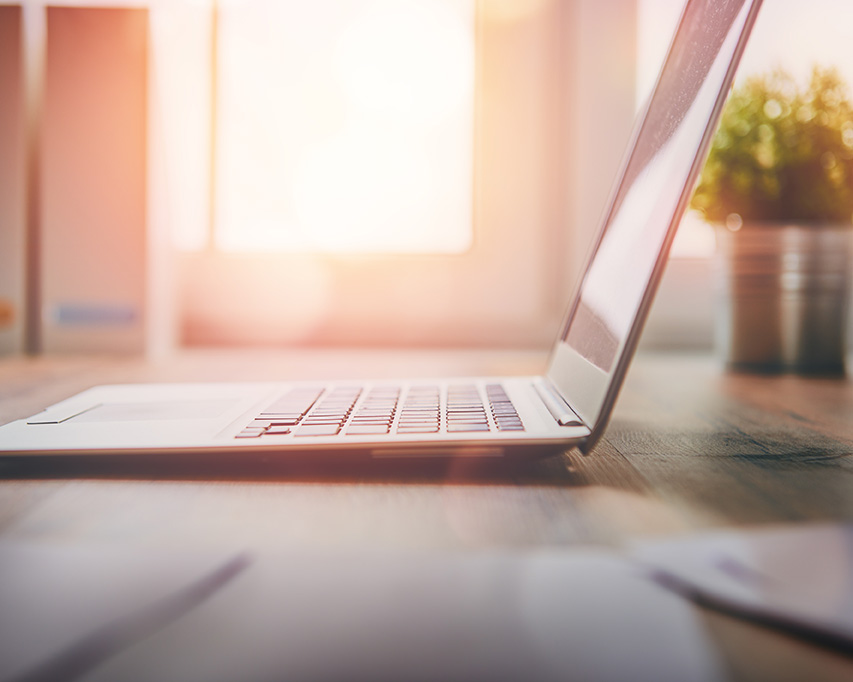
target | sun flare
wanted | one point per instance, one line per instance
(346, 126)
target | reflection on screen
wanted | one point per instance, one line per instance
(654, 180)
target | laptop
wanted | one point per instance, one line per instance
(477, 417)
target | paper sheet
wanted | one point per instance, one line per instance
(544, 615)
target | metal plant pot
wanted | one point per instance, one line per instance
(783, 295)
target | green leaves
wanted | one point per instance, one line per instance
(782, 153)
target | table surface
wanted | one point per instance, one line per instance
(690, 447)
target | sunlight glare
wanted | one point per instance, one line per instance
(346, 126)
(404, 59)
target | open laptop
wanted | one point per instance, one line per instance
(479, 417)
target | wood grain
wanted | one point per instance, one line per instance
(739, 449)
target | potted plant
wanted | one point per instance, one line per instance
(778, 186)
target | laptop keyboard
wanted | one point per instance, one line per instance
(354, 411)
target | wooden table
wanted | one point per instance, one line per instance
(689, 448)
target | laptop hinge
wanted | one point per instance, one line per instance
(556, 405)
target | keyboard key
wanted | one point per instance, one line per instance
(318, 430)
(277, 431)
(504, 412)
(285, 411)
(314, 411)
(366, 429)
(460, 428)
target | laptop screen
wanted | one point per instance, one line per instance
(654, 185)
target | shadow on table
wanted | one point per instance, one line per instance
(555, 470)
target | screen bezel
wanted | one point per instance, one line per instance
(590, 390)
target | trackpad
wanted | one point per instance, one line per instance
(155, 411)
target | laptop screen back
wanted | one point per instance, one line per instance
(655, 185)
